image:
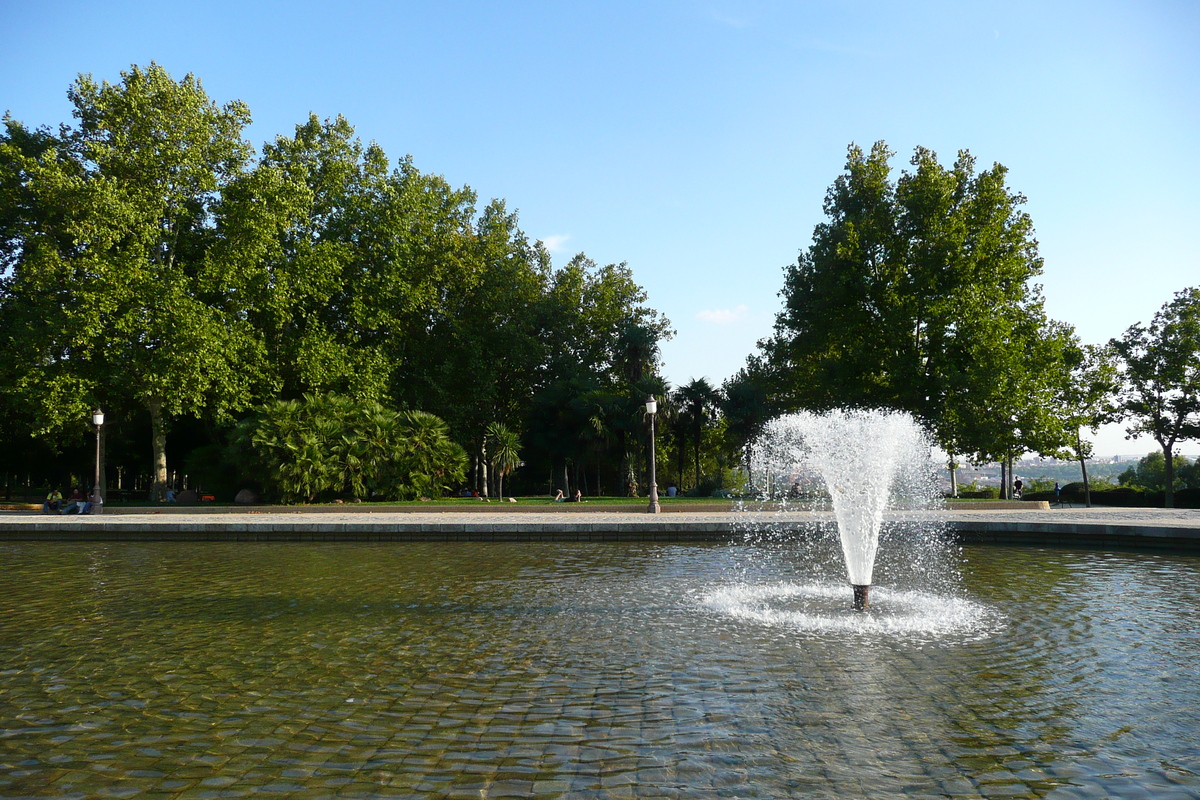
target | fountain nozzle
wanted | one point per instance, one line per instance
(860, 596)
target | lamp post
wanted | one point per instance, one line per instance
(98, 421)
(651, 409)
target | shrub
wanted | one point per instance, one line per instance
(1187, 498)
(330, 445)
(708, 485)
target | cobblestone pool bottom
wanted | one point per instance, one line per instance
(580, 670)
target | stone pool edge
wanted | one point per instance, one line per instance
(1178, 532)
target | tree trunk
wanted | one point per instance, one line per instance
(1169, 489)
(749, 469)
(625, 471)
(1004, 477)
(566, 479)
(158, 438)
(681, 459)
(1087, 489)
(483, 468)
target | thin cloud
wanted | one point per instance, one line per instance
(556, 242)
(723, 316)
(725, 19)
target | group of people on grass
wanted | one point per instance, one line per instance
(75, 504)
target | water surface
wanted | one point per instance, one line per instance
(582, 670)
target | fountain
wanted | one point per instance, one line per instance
(866, 460)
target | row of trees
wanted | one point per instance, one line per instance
(155, 265)
(917, 293)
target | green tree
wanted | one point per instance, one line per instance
(746, 411)
(699, 400)
(600, 340)
(301, 207)
(1150, 473)
(356, 261)
(477, 357)
(1087, 399)
(504, 446)
(1160, 366)
(916, 294)
(112, 294)
(1010, 403)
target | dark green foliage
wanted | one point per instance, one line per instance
(324, 446)
(189, 282)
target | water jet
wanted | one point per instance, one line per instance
(860, 457)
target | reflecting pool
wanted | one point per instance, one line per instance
(585, 670)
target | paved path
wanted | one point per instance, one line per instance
(1175, 529)
(199, 514)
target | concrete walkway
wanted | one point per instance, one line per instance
(1151, 528)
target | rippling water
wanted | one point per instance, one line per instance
(587, 670)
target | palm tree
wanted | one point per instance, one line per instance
(505, 455)
(428, 458)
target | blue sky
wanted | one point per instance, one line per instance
(695, 140)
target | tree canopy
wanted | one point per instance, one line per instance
(110, 294)
(916, 294)
(1160, 365)
(155, 265)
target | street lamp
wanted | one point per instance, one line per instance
(651, 409)
(98, 421)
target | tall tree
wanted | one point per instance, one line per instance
(1160, 366)
(475, 357)
(1087, 399)
(699, 400)
(746, 410)
(112, 292)
(906, 287)
(599, 338)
